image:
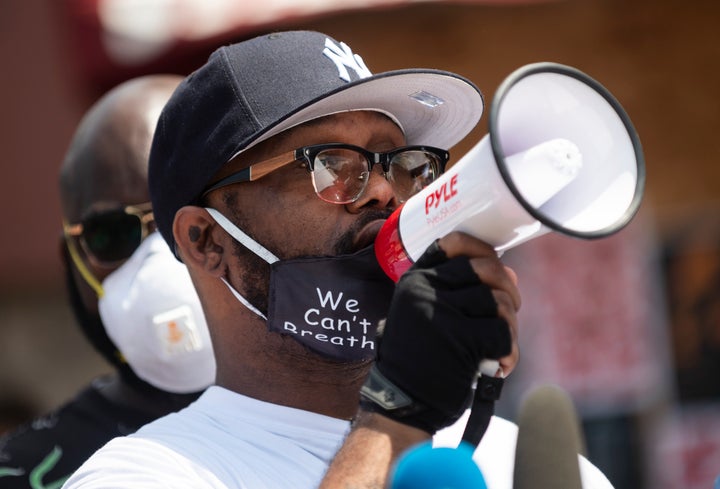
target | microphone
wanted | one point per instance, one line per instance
(425, 467)
(549, 442)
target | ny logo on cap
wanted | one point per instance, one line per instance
(344, 58)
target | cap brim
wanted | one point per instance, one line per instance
(433, 108)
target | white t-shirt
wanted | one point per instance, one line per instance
(226, 440)
(495, 455)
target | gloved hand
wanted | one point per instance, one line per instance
(442, 322)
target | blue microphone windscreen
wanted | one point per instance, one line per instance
(425, 467)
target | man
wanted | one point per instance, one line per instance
(272, 169)
(132, 300)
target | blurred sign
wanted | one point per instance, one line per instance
(590, 319)
(686, 452)
(692, 275)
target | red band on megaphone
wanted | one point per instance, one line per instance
(389, 249)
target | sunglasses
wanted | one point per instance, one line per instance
(112, 236)
(340, 172)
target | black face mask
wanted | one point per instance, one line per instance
(331, 305)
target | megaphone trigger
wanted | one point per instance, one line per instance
(487, 391)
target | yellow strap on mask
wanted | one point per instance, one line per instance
(86, 274)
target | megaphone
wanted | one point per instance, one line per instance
(560, 155)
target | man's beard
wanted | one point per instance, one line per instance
(345, 244)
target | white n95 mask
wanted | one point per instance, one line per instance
(152, 313)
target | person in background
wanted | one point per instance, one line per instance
(131, 298)
(15, 410)
(272, 170)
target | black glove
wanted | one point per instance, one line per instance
(442, 322)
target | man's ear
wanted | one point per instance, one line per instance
(196, 237)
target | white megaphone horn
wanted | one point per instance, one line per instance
(561, 155)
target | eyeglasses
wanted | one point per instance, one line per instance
(340, 172)
(112, 236)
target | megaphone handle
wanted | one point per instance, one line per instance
(487, 391)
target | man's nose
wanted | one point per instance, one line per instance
(378, 193)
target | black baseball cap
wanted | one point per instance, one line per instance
(252, 90)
